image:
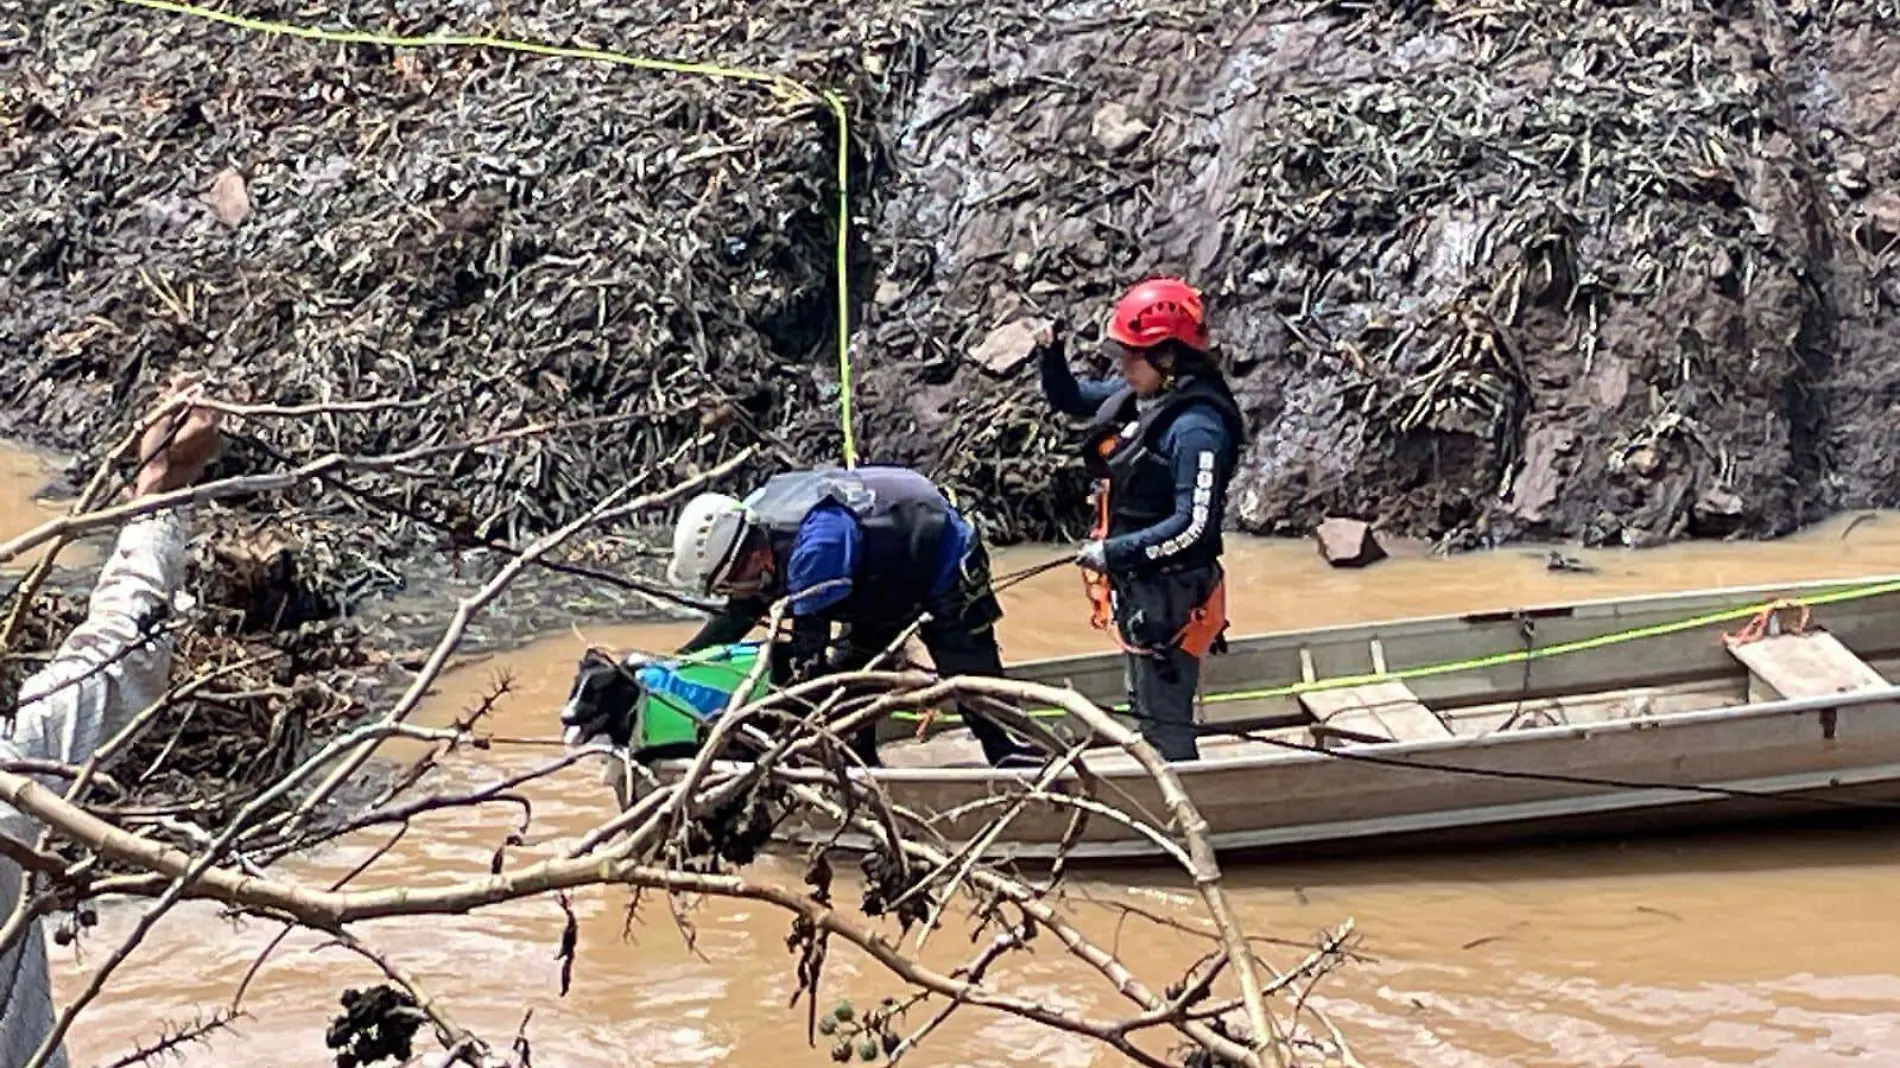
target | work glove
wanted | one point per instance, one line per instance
(808, 649)
(1093, 555)
(1052, 343)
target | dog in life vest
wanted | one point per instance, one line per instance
(647, 709)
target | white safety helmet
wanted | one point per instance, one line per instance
(707, 540)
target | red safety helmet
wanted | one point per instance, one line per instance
(1157, 310)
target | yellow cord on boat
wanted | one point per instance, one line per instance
(1519, 656)
(1727, 615)
(778, 82)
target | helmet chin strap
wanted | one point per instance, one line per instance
(736, 552)
(743, 589)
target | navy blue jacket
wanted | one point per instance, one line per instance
(1197, 436)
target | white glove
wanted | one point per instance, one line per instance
(1093, 555)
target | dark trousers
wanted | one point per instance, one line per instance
(1151, 611)
(1161, 691)
(957, 651)
(961, 638)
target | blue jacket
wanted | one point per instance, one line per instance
(1187, 511)
(829, 545)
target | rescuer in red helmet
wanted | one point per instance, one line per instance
(1162, 444)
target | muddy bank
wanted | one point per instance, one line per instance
(1618, 273)
(1613, 272)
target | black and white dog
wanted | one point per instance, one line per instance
(602, 708)
(602, 701)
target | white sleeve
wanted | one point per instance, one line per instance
(106, 672)
(110, 668)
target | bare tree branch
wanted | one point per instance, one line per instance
(688, 834)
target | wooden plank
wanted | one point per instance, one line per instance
(1381, 712)
(1803, 665)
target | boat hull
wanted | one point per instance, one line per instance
(1669, 730)
(1638, 775)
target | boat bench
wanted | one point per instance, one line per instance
(1379, 712)
(1814, 664)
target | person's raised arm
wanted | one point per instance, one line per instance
(108, 670)
(115, 663)
(1060, 387)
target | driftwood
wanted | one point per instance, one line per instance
(693, 839)
(1618, 271)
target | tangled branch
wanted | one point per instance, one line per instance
(687, 833)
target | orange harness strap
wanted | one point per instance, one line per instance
(1205, 623)
(1095, 583)
(1196, 637)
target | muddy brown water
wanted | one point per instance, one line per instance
(1774, 948)
(23, 473)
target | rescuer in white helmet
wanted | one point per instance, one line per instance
(872, 548)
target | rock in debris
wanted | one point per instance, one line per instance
(1115, 130)
(229, 199)
(1719, 511)
(1348, 542)
(1009, 345)
(1541, 480)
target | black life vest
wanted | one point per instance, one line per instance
(902, 517)
(1122, 447)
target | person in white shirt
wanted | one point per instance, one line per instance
(107, 671)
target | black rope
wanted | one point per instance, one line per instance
(1527, 630)
(1014, 577)
(1539, 776)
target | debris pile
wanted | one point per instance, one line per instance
(1545, 268)
(503, 239)
(258, 690)
(280, 683)
(1554, 266)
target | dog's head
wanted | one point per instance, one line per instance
(602, 699)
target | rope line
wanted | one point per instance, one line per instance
(799, 91)
(1515, 656)
(781, 84)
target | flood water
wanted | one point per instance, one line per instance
(23, 473)
(1771, 948)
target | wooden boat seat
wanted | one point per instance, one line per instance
(1814, 664)
(1379, 712)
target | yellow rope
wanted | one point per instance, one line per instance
(836, 103)
(1561, 649)
(1521, 655)
(775, 81)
